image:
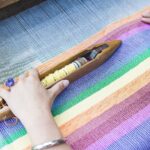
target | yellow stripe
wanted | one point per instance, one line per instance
(102, 94)
(24, 142)
(102, 106)
(19, 144)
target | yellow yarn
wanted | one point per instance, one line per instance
(44, 83)
(48, 81)
(60, 74)
(70, 68)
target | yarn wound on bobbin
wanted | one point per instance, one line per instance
(58, 75)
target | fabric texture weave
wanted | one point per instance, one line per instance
(108, 108)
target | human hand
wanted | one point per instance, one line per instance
(146, 17)
(31, 103)
(28, 98)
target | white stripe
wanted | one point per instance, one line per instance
(19, 144)
(84, 105)
(103, 93)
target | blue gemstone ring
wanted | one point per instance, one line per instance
(10, 82)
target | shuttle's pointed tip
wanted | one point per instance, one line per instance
(118, 42)
(114, 44)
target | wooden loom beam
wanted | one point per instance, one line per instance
(12, 7)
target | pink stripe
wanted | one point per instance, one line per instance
(121, 130)
(74, 137)
(136, 24)
(133, 32)
(114, 121)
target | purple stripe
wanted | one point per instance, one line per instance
(140, 101)
(115, 34)
(133, 32)
(130, 48)
(137, 139)
(6, 131)
(122, 129)
(104, 117)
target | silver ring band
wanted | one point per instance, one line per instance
(49, 144)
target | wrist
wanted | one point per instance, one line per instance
(42, 128)
(33, 117)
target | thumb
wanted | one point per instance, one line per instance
(57, 89)
(146, 20)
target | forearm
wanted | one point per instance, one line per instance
(44, 129)
(34, 108)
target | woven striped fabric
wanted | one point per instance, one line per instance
(108, 108)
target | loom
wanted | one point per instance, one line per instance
(70, 72)
(107, 105)
(90, 59)
(11, 7)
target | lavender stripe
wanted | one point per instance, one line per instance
(122, 129)
(133, 32)
(137, 139)
(127, 51)
(6, 131)
(139, 103)
(105, 116)
(115, 34)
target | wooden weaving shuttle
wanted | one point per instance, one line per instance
(94, 55)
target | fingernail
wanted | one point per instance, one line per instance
(66, 83)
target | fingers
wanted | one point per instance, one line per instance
(3, 93)
(4, 90)
(22, 77)
(34, 73)
(146, 20)
(146, 17)
(57, 89)
(146, 14)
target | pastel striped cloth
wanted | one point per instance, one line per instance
(108, 108)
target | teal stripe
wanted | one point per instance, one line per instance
(12, 137)
(101, 84)
(135, 61)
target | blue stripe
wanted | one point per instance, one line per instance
(137, 139)
(131, 47)
(48, 29)
(6, 131)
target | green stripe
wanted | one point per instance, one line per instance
(101, 84)
(12, 137)
(137, 60)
